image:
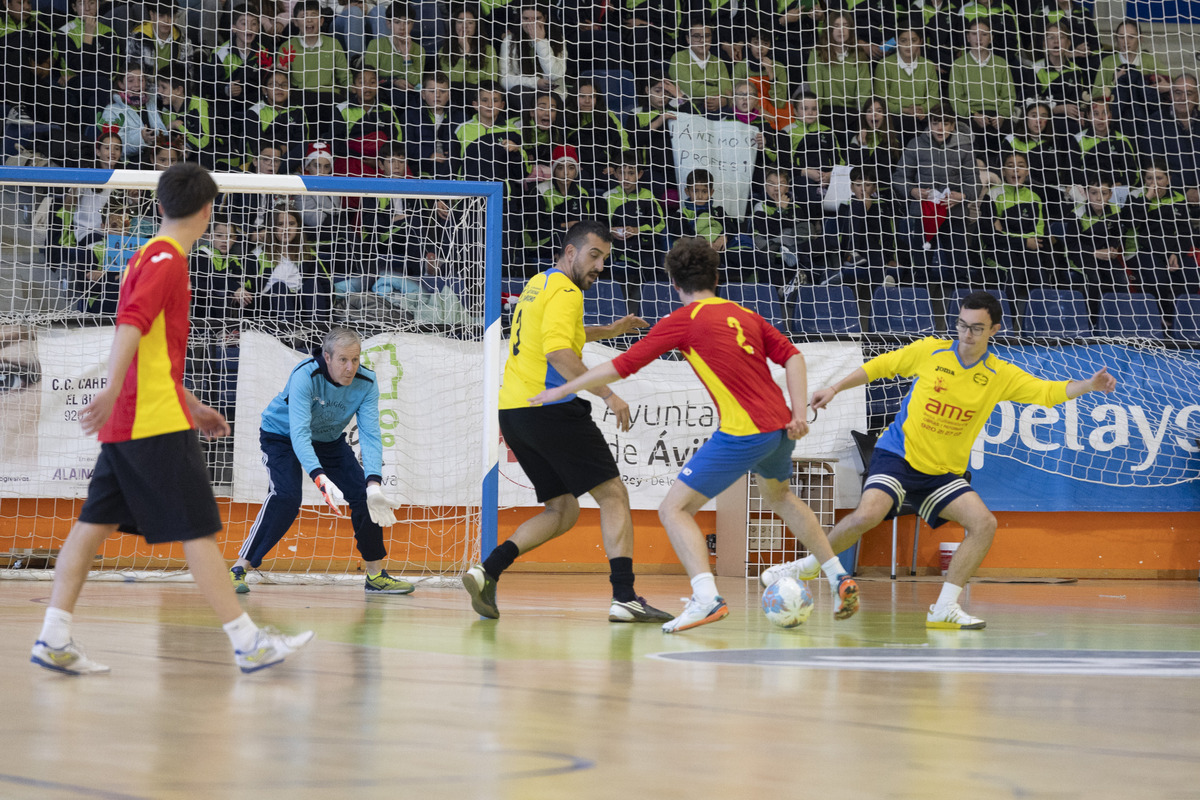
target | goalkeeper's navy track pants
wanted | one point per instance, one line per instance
(287, 481)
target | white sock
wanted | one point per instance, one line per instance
(833, 570)
(704, 587)
(242, 633)
(949, 595)
(56, 629)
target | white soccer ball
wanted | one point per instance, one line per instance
(787, 603)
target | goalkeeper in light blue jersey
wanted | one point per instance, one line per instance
(303, 431)
(923, 455)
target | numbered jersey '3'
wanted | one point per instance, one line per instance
(548, 317)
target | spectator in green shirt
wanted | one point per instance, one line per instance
(699, 74)
(317, 66)
(398, 58)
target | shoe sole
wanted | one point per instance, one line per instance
(634, 617)
(477, 602)
(281, 659)
(369, 590)
(243, 589)
(849, 606)
(954, 626)
(720, 613)
(63, 670)
(762, 578)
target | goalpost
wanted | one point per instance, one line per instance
(433, 338)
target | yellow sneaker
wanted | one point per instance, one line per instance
(386, 584)
(238, 576)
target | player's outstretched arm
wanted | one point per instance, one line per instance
(821, 397)
(620, 327)
(591, 380)
(1100, 382)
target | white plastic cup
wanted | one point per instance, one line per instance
(945, 553)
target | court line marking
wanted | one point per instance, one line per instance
(84, 791)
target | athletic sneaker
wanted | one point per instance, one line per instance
(270, 648)
(696, 614)
(847, 592)
(792, 569)
(482, 589)
(238, 576)
(386, 584)
(69, 658)
(952, 617)
(636, 610)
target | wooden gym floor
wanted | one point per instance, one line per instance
(1087, 690)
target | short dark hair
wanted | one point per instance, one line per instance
(986, 301)
(699, 176)
(184, 189)
(863, 174)
(692, 265)
(584, 228)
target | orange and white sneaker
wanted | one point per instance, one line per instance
(696, 614)
(847, 592)
(952, 617)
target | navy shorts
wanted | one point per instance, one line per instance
(157, 487)
(928, 494)
(724, 458)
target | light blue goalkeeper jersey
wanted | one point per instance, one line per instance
(312, 408)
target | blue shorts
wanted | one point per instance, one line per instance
(724, 458)
(928, 494)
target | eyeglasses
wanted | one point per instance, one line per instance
(975, 329)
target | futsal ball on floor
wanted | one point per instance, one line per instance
(787, 603)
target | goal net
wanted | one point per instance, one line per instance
(404, 263)
(860, 167)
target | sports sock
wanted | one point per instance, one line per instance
(704, 587)
(242, 633)
(500, 559)
(621, 577)
(56, 628)
(949, 595)
(834, 571)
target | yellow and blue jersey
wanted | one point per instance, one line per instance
(950, 401)
(548, 317)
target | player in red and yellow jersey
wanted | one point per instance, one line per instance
(924, 454)
(150, 478)
(728, 347)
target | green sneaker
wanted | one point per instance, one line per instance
(483, 592)
(238, 576)
(386, 584)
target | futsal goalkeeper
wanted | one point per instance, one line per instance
(924, 453)
(303, 431)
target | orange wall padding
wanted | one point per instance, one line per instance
(1078, 544)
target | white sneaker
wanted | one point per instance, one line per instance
(270, 648)
(69, 658)
(697, 614)
(952, 617)
(792, 569)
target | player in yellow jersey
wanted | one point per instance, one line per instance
(558, 445)
(925, 451)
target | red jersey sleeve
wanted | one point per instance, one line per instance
(153, 276)
(779, 349)
(668, 333)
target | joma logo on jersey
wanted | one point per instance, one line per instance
(949, 411)
(946, 370)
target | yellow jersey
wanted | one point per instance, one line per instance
(548, 317)
(950, 401)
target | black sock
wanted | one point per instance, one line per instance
(500, 559)
(621, 577)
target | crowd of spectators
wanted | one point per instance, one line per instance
(984, 143)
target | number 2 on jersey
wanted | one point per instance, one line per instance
(741, 334)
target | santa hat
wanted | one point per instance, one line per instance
(564, 153)
(317, 151)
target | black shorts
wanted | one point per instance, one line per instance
(156, 487)
(559, 447)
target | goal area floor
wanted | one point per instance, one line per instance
(1087, 690)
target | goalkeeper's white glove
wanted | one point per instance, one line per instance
(330, 493)
(380, 506)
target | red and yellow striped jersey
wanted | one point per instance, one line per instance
(154, 297)
(728, 347)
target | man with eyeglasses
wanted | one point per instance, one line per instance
(925, 451)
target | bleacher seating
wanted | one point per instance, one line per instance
(1059, 313)
(603, 303)
(758, 297)
(659, 299)
(824, 309)
(1187, 318)
(901, 309)
(1130, 315)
